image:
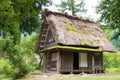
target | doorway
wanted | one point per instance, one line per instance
(75, 61)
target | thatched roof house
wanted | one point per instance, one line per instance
(64, 32)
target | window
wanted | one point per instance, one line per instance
(54, 61)
(83, 60)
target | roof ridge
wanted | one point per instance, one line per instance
(46, 12)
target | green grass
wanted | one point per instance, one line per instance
(113, 70)
(93, 78)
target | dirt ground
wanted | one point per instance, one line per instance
(82, 76)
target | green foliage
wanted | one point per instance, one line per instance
(110, 10)
(6, 69)
(116, 42)
(16, 17)
(22, 15)
(112, 70)
(109, 32)
(110, 20)
(21, 56)
(111, 60)
(73, 5)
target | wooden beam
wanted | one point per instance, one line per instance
(93, 64)
(102, 61)
(58, 62)
(70, 48)
(44, 62)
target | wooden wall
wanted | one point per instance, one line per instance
(50, 41)
(51, 61)
(66, 60)
(63, 61)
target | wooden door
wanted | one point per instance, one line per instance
(66, 60)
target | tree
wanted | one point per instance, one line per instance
(21, 56)
(16, 17)
(110, 15)
(19, 16)
(74, 6)
(6, 15)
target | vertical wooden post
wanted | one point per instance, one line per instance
(58, 61)
(93, 64)
(102, 68)
(71, 53)
(44, 62)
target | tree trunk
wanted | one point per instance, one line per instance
(4, 34)
(40, 63)
(16, 36)
(72, 5)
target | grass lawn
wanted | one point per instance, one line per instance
(93, 78)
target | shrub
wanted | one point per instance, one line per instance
(6, 69)
(113, 70)
(20, 56)
(111, 60)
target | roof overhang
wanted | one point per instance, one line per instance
(69, 48)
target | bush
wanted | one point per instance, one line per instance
(111, 60)
(22, 59)
(113, 70)
(6, 69)
(20, 56)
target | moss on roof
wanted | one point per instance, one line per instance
(69, 26)
(74, 31)
(71, 48)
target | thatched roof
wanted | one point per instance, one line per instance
(73, 31)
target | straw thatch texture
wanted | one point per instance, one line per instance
(74, 31)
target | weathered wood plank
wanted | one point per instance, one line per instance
(58, 62)
(93, 64)
(66, 60)
(44, 63)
